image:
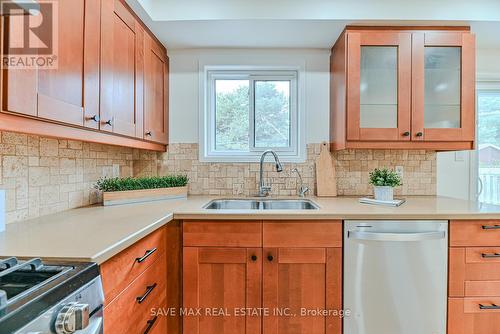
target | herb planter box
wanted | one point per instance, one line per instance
(143, 195)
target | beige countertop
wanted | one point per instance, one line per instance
(97, 233)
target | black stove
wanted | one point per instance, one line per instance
(33, 293)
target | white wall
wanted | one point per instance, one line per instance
(184, 85)
(454, 172)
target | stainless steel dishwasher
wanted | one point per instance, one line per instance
(395, 277)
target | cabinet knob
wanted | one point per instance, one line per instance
(419, 134)
(406, 133)
(270, 258)
(94, 118)
(149, 133)
(109, 122)
(254, 258)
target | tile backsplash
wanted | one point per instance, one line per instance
(352, 166)
(45, 175)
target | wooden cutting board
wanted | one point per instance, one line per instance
(326, 183)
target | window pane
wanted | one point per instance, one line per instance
(488, 109)
(379, 87)
(272, 113)
(232, 115)
(442, 87)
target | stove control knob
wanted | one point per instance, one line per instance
(72, 317)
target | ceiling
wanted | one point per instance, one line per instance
(303, 23)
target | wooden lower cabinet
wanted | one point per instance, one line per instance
(218, 283)
(299, 282)
(466, 317)
(474, 277)
(275, 286)
(130, 312)
(135, 286)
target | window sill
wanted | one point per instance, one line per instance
(253, 158)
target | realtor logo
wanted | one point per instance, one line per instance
(31, 34)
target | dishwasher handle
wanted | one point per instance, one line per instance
(401, 236)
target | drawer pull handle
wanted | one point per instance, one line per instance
(254, 258)
(484, 255)
(149, 289)
(491, 227)
(146, 255)
(150, 324)
(489, 307)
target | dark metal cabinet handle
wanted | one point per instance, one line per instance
(109, 122)
(94, 118)
(146, 255)
(150, 323)
(491, 227)
(149, 133)
(149, 289)
(254, 258)
(419, 134)
(490, 255)
(406, 134)
(270, 258)
(489, 307)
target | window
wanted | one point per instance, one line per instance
(488, 145)
(249, 111)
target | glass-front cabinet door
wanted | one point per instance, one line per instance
(379, 86)
(443, 86)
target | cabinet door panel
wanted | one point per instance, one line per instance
(216, 279)
(156, 92)
(378, 111)
(58, 94)
(120, 38)
(443, 86)
(301, 280)
(91, 63)
(60, 91)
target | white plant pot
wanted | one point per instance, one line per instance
(383, 193)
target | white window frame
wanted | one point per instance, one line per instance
(485, 83)
(296, 152)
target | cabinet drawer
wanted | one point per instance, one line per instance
(119, 271)
(475, 233)
(130, 310)
(302, 234)
(472, 270)
(222, 233)
(158, 325)
(482, 288)
(465, 316)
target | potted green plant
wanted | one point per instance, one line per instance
(142, 189)
(384, 180)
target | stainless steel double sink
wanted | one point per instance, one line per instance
(261, 204)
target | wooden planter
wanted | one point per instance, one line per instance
(143, 195)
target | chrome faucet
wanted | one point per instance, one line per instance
(303, 189)
(263, 188)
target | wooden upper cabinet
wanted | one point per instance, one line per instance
(403, 87)
(443, 86)
(122, 64)
(379, 86)
(98, 82)
(69, 92)
(156, 72)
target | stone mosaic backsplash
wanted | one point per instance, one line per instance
(45, 175)
(241, 179)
